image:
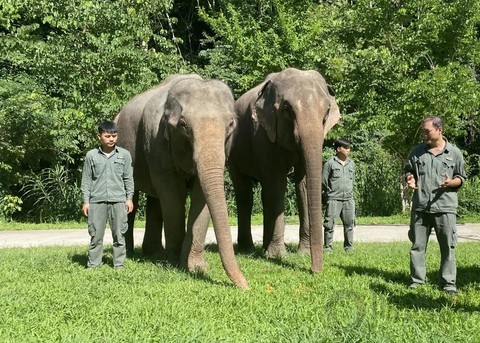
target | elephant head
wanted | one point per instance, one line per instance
(197, 122)
(296, 110)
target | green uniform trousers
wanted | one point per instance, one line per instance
(421, 225)
(98, 214)
(345, 209)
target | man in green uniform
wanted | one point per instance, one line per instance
(435, 170)
(107, 188)
(338, 178)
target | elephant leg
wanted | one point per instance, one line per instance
(193, 257)
(152, 240)
(129, 241)
(172, 196)
(243, 186)
(302, 205)
(273, 194)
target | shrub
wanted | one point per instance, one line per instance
(53, 195)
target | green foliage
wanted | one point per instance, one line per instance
(359, 297)
(64, 65)
(468, 198)
(10, 204)
(378, 179)
(53, 195)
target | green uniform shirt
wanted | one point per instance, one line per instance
(338, 179)
(107, 179)
(429, 172)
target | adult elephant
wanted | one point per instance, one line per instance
(177, 134)
(282, 123)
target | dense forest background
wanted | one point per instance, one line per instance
(67, 64)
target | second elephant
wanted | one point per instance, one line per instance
(282, 123)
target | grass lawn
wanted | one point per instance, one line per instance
(256, 220)
(48, 296)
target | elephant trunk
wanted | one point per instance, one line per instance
(312, 144)
(209, 155)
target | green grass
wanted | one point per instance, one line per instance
(257, 219)
(48, 296)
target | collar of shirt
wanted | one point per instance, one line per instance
(340, 161)
(446, 148)
(100, 151)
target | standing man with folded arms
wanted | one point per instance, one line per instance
(435, 170)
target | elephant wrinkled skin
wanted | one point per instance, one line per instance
(177, 134)
(282, 123)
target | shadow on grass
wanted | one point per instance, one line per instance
(138, 257)
(82, 259)
(416, 299)
(397, 277)
(259, 254)
(466, 275)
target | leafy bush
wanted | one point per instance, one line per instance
(469, 197)
(53, 195)
(9, 204)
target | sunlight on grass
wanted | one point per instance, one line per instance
(48, 295)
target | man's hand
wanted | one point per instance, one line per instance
(449, 182)
(411, 182)
(129, 206)
(85, 209)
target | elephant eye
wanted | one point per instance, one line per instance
(287, 111)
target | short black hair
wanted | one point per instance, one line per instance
(437, 121)
(107, 126)
(342, 143)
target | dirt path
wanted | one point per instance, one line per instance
(362, 233)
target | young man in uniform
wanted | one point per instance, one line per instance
(338, 179)
(107, 188)
(435, 170)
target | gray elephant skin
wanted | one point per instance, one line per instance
(177, 134)
(281, 124)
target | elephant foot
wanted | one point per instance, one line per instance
(246, 248)
(194, 263)
(304, 248)
(276, 251)
(197, 266)
(157, 252)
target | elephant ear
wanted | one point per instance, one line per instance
(264, 110)
(229, 136)
(171, 115)
(333, 116)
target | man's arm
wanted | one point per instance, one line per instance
(86, 184)
(327, 168)
(459, 174)
(409, 172)
(128, 182)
